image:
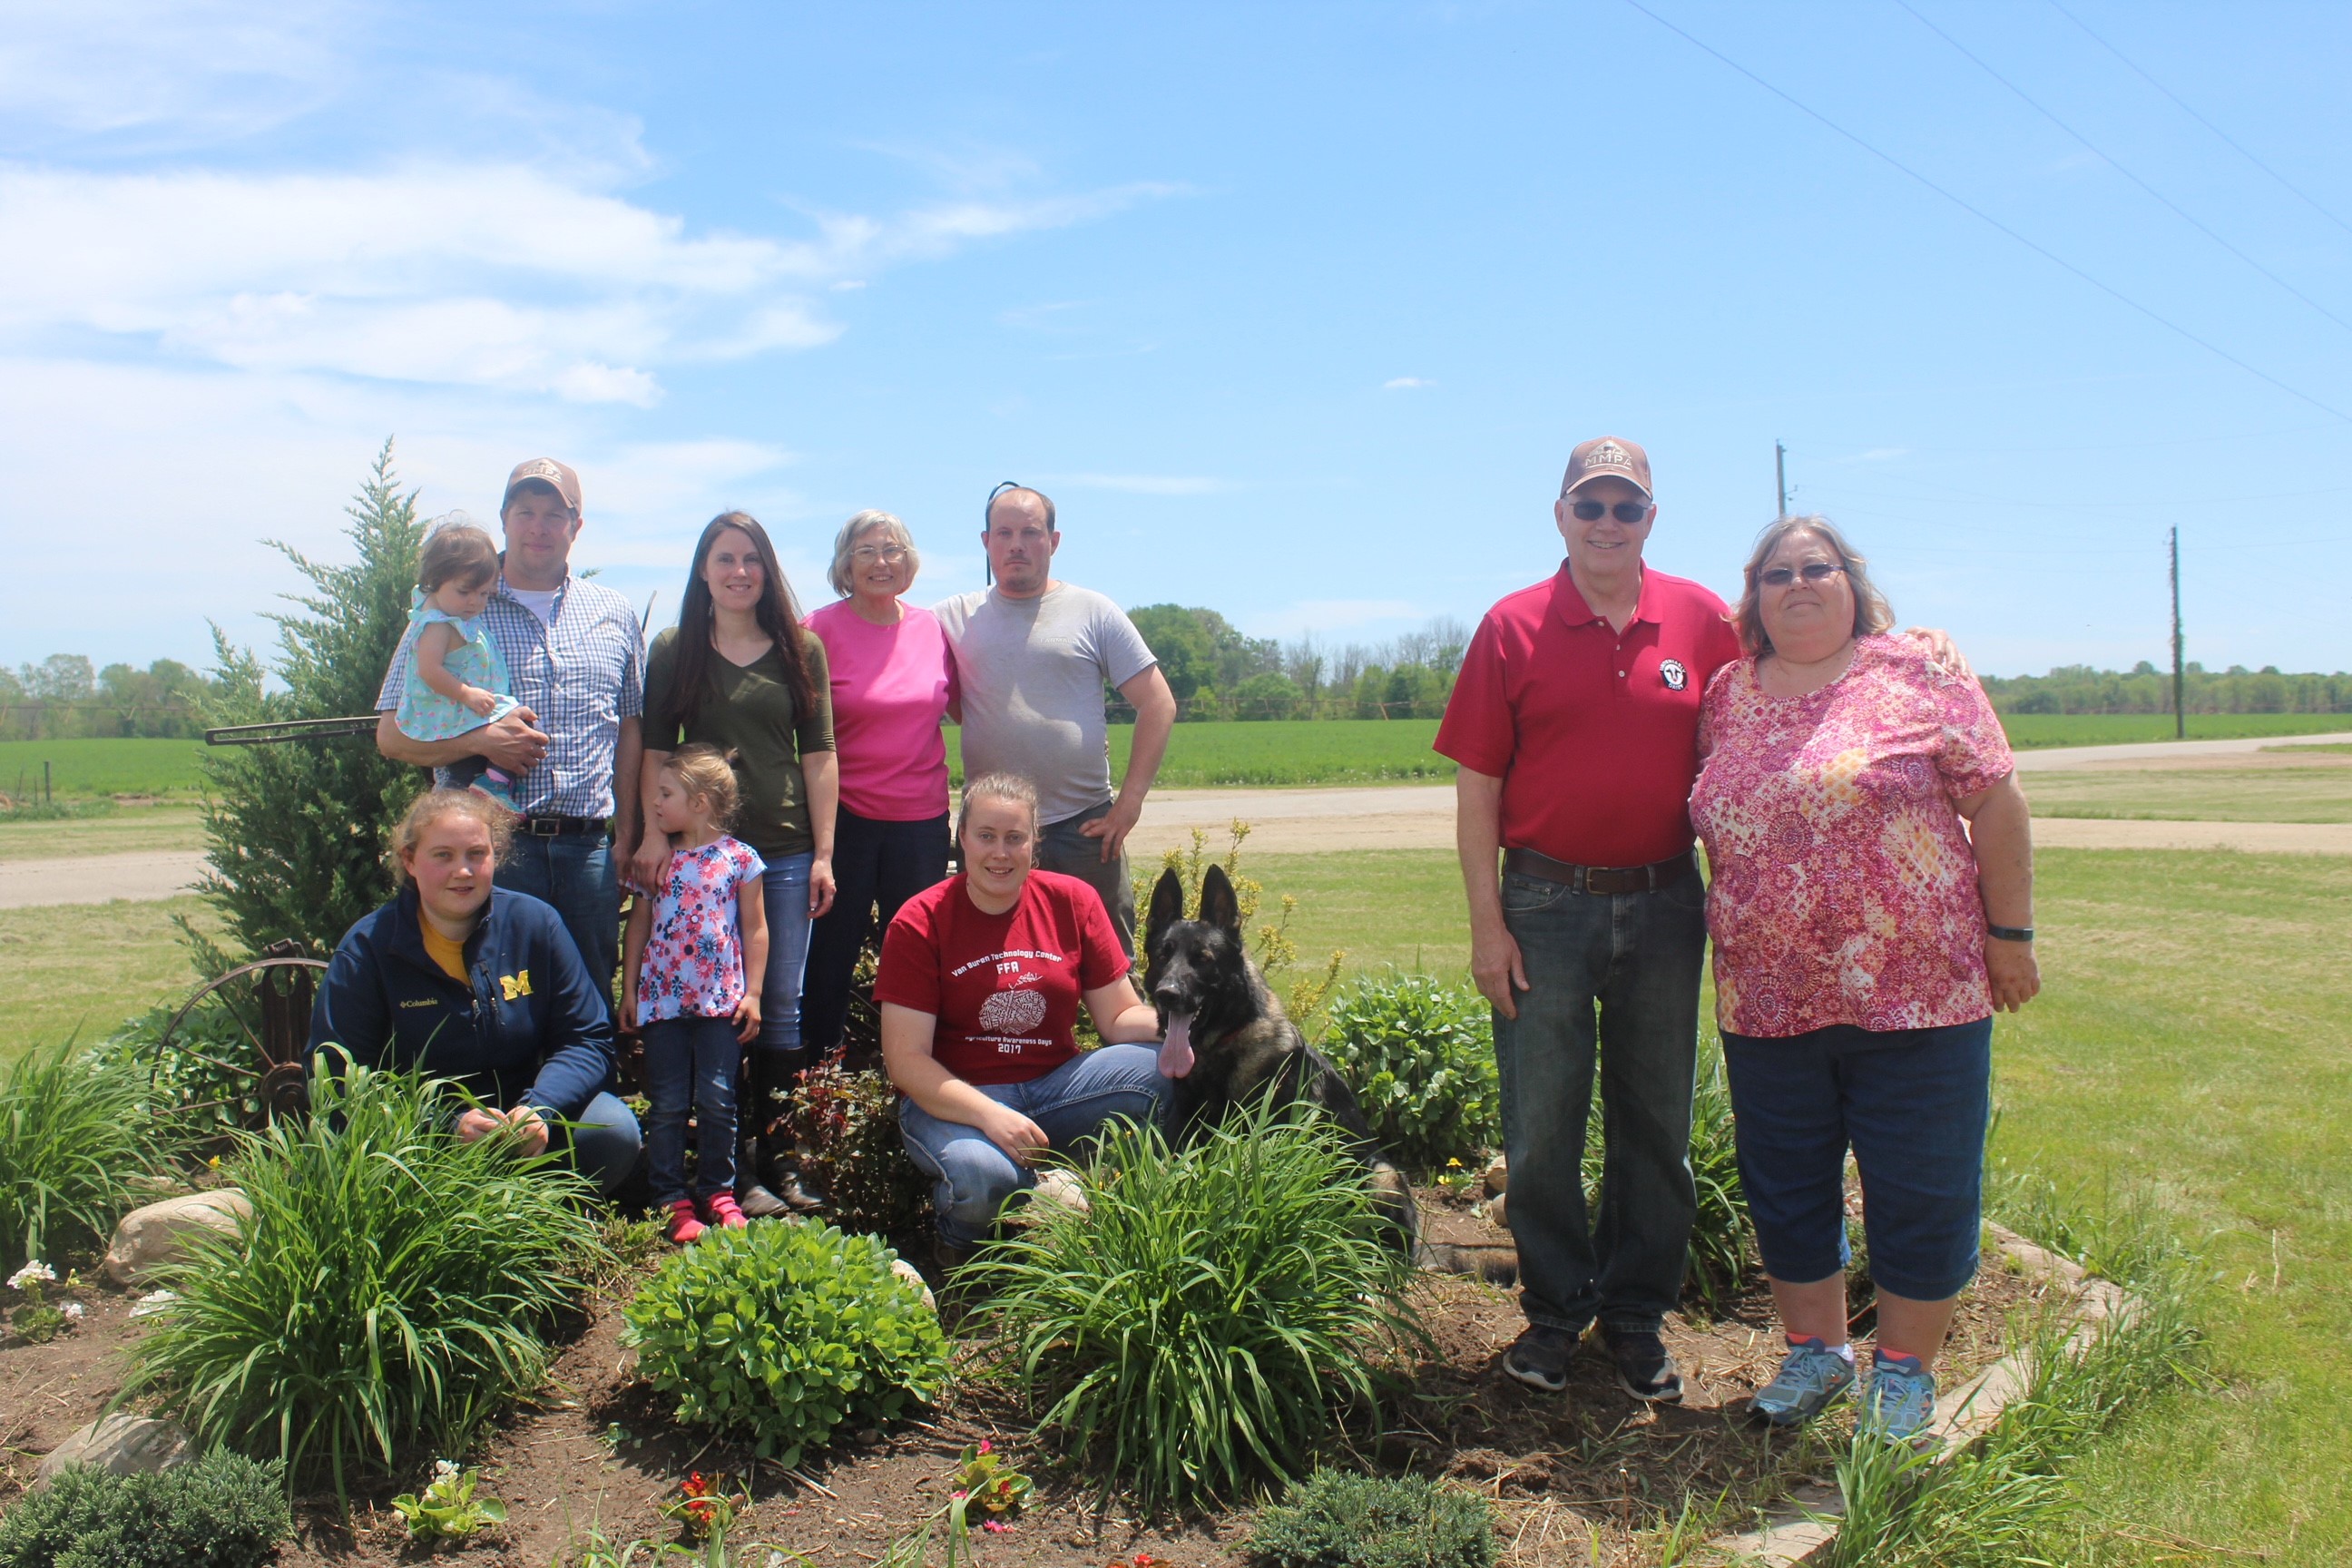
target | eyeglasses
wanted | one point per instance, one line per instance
(888, 554)
(1623, 512)
(1813, 572)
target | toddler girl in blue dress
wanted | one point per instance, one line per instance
(457, 682)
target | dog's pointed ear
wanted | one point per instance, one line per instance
(1218, 905)
(1167, 908)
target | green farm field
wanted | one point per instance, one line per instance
(81, 770)
(2036, 730)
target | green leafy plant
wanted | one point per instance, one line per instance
(390, 1290)
(36, 1317)
(191, 1082)
(986, 1487)
(1201, 1324)
(1338, 1519)
(1420, 1054)
(846, 1124)
(780, 1333)
(74, 1132)
(601, 1551)
(450, 1508)
(221, 1512)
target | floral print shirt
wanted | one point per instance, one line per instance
(693, 965)
(1844, 890)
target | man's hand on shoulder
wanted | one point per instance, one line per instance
(1941, 649)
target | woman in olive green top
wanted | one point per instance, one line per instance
(739, 673)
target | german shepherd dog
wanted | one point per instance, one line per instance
(1227, 1041)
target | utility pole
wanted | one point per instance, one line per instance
(2180, 703)
(1780, 473)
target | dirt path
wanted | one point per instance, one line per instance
(143, 875)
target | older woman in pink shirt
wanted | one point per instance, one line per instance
(893, 678)
(1872, 907)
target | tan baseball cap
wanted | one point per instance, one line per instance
(547, 470)
(1604, 458)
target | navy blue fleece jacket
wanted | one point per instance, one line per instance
(528, 1027)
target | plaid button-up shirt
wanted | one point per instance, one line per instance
(583, 674)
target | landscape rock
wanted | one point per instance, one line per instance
(1495, 1211)
(1498, 1176)
(121, 1445)
(150, 1237)
(914, 1275)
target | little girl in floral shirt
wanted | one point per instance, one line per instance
(683, 965)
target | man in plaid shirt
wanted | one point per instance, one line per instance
(577, 657)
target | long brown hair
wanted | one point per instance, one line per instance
(778, 610)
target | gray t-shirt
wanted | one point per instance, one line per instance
(1032, 672)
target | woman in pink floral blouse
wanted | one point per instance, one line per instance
(1872, 908)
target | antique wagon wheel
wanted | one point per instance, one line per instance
(242, 1036)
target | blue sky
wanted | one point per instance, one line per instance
(1294, 309)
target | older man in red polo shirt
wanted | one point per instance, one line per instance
(1575, 722)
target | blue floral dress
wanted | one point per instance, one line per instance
(424, 713)
(693, 963)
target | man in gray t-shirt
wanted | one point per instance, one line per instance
(1033, 657)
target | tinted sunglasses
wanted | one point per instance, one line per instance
(1813, 572)
(1623, 512)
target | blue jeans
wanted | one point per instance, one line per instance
(1069, 1105)
(1633, 958)
(603, 1143)
(1913, 1104)
(690, 1064)
(574, 872)
(784, 891)
(875, 864)
(1062, 848)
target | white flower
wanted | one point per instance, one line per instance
(35, 1273)
(443, 1470)
(72, 1310)
(153, 1302)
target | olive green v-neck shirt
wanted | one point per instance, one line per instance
(748, 709)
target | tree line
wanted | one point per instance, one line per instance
(2144, 689)
(1218, 673)
(65, 697)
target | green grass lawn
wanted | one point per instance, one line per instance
(2317, 790)
(124, 830)
(81, 769)
(2039, 730)
(83, 968)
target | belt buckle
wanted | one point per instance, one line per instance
(543, 827)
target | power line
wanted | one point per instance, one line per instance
(2182, 104)
(2176, 208)
(1980, 213)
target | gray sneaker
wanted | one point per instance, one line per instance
(1539, 1357)
(1810, 1381)
(1900, 1401)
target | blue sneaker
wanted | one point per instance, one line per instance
(1900, 1401)
(1812, 1378)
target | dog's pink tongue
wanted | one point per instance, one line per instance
(1176, 1050)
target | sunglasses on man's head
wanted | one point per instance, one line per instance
(1623, 512)
(1813, 572)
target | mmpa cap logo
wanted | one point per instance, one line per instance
(1608, 455)
(1676, 676)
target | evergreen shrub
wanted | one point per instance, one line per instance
(221, 1512)
(782, 1332)
(1336, 1519)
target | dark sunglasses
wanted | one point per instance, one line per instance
(1623, 512)
(1782, 576)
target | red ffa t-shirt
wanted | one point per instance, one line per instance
(1594, 734)
(1004, 988)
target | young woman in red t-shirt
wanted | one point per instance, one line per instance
(979, 985)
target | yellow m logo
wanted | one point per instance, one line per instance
(516, 986)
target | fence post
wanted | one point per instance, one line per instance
(49, 794)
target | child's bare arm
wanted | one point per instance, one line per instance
(751, 916)
(632, 953)
(434, 646)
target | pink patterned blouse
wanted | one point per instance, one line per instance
(693, 965)
(1844, 892)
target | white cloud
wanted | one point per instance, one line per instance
(1404, 384)
(1139, 484)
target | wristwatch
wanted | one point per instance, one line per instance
(2009, 933)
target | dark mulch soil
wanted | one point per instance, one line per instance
(1584, 1477)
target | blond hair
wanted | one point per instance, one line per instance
(706, 772)
(435, 804)
(998, 786)
(1870, 611)
(868, 521)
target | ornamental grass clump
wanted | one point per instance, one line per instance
(781, 1333)
(1338, 1520)
(1203, 1325)
(74, 1133)
(390, 1290)
(1420, 1055)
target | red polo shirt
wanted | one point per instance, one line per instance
(1594, 735)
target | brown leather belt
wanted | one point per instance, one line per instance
(557, 826)
(1602, 879)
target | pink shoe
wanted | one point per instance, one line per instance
(683, 1225)
(724, 1211)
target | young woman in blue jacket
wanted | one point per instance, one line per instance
(483, 985)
